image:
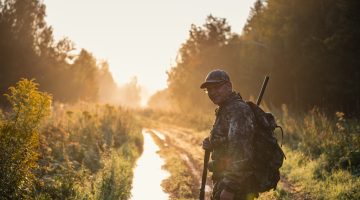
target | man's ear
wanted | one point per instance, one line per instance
(229, 85)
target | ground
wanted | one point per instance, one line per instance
(185, 145)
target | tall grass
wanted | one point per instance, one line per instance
(312, 176)
(114, 181)
(95, 147)
(323, 152)
(197, 121)
(81, 152)
(335, 138)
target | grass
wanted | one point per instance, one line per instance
(311, 175)
(85, 151)
(323, 156)
(195, 121)
(114, 181)
(88, 152)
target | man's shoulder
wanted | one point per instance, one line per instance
(238, 109)
(237, 105)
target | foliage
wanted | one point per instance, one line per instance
(322, 155)
(81, 152)
(115, 181)
(316, 42)
(129, 94)
(316, 135)
(161, 101)
(309, 48)
(200, 52)
(310, 175)
(19, 139)
(28, 50)
(196, 121)
(88, 152)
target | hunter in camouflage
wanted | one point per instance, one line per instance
(230, 140)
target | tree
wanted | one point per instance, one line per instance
(309, 48)
(313, 46)
(28, 50)
(85, 79)
(195, 57)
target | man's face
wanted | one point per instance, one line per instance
(218, 92)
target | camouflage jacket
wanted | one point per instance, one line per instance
(232, 138)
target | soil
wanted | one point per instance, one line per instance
(190, 151)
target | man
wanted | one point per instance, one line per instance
(230, 141)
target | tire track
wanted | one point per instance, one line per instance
(182, 148)
(184, 144)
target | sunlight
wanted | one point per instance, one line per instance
(148, 173)
(103, 99)
(138, 38)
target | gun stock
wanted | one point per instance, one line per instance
(204, 175)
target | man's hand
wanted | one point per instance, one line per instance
(226, 195)
(206, 144)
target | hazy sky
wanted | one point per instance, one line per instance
(138, 37)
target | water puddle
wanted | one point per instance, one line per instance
(148, 174)
(159, 135)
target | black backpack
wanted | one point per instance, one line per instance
(268, 155)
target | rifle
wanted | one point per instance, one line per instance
(204, 175)
(207, 152)
(263, 87)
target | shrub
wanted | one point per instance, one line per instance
(19, 138)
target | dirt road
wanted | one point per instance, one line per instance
(186, 144)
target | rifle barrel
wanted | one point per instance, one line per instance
(204, 175)
(262, 91)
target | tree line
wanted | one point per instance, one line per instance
(28, 50)
(309, 48)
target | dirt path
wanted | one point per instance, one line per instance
(294, 192)
(188, 148)
(180, 148)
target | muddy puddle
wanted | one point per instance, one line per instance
(148, 173)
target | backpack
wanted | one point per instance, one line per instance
(268, 155)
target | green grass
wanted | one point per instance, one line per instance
(114, 181)
(311, 175)
(323, 156)
(82, 151)
(94, 147)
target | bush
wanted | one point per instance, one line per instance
(315, 134)
(87, 152)
(19, 136)
(311, 176)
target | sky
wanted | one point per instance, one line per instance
(138, 38)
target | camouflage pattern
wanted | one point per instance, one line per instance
(232, 138)
(214, 77)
